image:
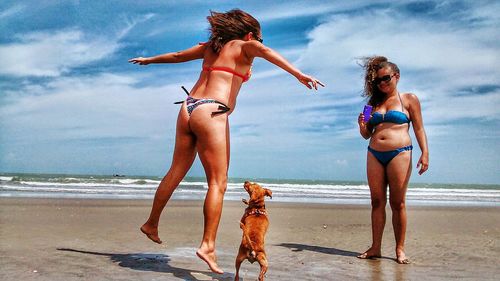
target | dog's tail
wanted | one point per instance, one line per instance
(250, 243)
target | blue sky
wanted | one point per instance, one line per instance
(70, 102)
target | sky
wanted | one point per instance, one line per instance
(71, 103)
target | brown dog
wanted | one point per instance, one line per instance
(254, 224)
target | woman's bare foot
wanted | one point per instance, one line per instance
(151, 233)
(370, 254)
(210, 259)
(401, 257)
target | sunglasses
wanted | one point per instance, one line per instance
(259, 39)
(385, 78)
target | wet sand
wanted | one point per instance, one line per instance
(69, 239)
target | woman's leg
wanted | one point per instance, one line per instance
(184, 155)
(398, 174)
(213, 149)
(378, 194)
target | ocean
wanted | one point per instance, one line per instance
(309, 191)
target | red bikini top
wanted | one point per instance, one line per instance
(245, 77)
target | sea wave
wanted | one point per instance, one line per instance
(286, 191)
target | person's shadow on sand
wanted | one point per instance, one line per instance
(331, 251)
(154, 262)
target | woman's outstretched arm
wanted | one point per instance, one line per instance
(254, 48)
(193, 53)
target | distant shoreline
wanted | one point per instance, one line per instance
(293, 191)
(241, 179)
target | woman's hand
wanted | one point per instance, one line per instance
(361, 120)
(363, 127)
(310, 81)
(140, 60)
(423, 164)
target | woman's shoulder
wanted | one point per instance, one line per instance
(409, 97)
(411, 101)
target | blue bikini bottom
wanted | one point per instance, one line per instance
(384, 157)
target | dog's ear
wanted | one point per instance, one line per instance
(244, 201)
(246, 186)
(268, 193)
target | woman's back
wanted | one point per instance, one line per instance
(222, 74)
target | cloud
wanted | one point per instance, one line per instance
(92, 107)
(55, 53)
(448, 109)
(88, 121)
(132, 22)
(52, 53)
(436, 58)
(12, 11)
(341, 162)
(291, 10)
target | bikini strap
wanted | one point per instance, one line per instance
(402, 105)
(187, 93)
(227, 69)
(403, 108)
(221, 109)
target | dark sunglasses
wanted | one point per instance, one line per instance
(259, 39)
(385, 78)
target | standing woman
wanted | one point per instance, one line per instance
(390, 148)
(202, 124)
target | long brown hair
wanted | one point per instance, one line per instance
(371, 66)
(234, 24)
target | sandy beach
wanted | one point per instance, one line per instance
(70, 239)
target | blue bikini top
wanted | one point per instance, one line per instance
(391, 116)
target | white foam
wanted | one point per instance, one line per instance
(290, 192)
